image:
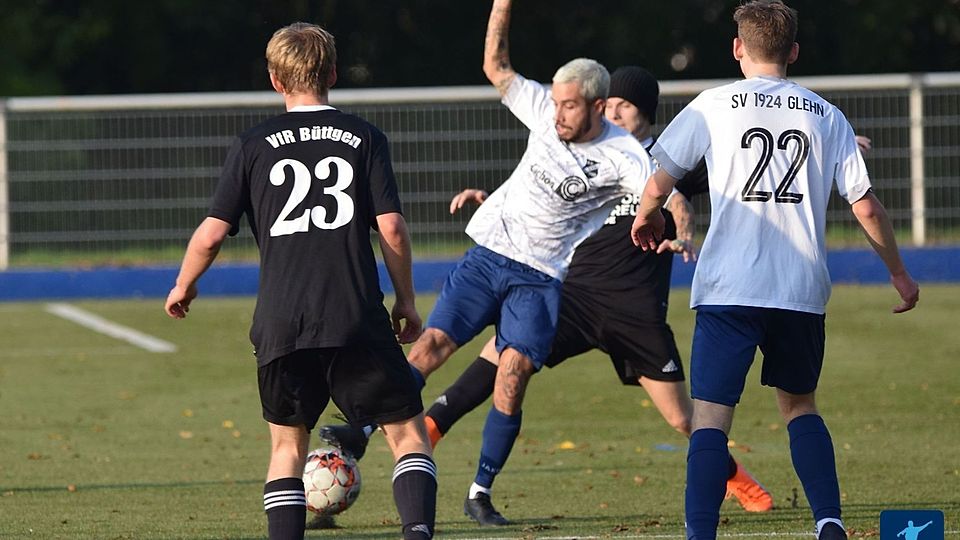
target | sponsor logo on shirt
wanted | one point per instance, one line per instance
(627, 207)
(591, 168)
(571, 188)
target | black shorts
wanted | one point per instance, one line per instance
(369, 384)
(632, 331)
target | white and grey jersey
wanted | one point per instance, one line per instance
(559, 194)
(773, 150)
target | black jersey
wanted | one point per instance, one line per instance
(312, 185)
(608, 263)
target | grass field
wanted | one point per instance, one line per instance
(103, 440)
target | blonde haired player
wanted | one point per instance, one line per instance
(314, 182)
(773, 149)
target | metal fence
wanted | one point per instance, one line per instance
(125, 179)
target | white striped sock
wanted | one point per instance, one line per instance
(288, 497)
(412, 464)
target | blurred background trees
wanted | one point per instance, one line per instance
(54, 47)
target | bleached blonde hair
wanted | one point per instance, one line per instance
(593, 78)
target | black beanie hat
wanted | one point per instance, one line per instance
(638, 86)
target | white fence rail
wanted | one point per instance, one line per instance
(122, 179)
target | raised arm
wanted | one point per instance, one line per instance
(872, 216)
(397, 257)
(496, 49)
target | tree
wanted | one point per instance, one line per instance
(116, 46)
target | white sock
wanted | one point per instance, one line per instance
(476, 488)
(824, 521)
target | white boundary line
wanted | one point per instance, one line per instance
(651, 536)
(806, 534)
(112, 329)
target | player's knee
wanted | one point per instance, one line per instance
(489, 352)
(680, 422)
(794, 405)
(406, 437)
(431, 350)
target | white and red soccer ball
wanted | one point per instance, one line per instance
(331, 481)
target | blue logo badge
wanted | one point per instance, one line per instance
(911, 525)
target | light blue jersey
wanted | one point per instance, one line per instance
(774, 150)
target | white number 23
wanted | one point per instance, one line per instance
(302, 180)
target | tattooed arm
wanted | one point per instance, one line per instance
(496, 53)
(682, 211)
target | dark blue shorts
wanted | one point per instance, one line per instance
(487, 288)
(726, 339)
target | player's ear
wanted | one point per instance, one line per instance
(277, 85)
(794, 53)
(737, 49)
(332, 78)
(599, 105)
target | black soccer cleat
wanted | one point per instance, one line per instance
(832, 531)
(482, 511)
(345, 437)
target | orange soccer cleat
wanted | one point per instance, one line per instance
(752, 496)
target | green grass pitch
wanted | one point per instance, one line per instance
(102, 440)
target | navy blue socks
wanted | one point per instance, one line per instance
(499, 433)
(812, 451)
(707, 472)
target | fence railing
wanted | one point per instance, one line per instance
(125, 179)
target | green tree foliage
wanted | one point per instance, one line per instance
(121, 46)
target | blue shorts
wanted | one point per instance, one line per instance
(725, 341)
(487, 288)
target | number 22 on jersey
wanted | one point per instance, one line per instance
(302, 181)
(765, 138)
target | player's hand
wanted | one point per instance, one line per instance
(686, 247)
(467, 196)
(909, 292)
(864, 143)
(406, 312)
(646, 232)
(178, 301)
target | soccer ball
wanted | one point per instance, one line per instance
(331, 481)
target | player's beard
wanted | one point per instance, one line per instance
(578, 134)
